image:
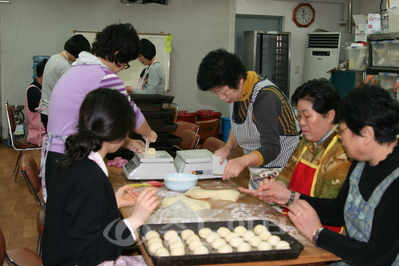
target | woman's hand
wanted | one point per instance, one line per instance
(270, 191)
(126, 196)
(134, 145)
(152, 137)
(304, 218)
(223, 153)
(145, 204)
(233, 168)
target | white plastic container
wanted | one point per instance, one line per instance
(388, 82)
(356, 57)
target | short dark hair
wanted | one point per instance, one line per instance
(220, 68)
(40, 67)
(321, 93)
(76, 44)
(100, 121)
(148, 50)
(117, 43)
(371, 106)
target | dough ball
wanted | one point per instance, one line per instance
(254, 241)
(265, 235)
(150, 234)
(193, 244)
(236, 241)
(154, 246)
(229, 236)
(226, 248)
(204, 232)
(179, 251)
(259, 229)
(154, 239)
(200, 250)
(169, 234)
(218, 242)
(244, 247)
(212, 236)
(264, 246)
(173, 239)
(151, 151)
(247, 235)
(223, 231)
(186, 233)
(162, 252)
(273, 240)
(175, 245)
(192, 237)
(283, 245)
(240, 230)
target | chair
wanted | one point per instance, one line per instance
(207, 129)
(182, 125)
(189, 140)
(212, 144)
(19, 256)
(22, 145)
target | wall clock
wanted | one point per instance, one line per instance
(303, 15)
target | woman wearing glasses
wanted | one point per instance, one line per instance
(319, 164)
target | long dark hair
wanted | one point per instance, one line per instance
(105, 115)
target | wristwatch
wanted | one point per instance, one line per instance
(316, 234)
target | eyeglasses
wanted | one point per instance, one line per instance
(126, 66)
(339, 131)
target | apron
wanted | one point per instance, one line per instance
(304, 179)
(36, 129)
(142, 79)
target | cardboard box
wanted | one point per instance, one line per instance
(360, 28)
(373, 23)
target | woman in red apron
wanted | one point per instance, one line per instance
(319, 164)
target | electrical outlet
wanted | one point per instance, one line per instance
(296, 69)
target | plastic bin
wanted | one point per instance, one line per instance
(188, 116)
(379, 53)
(226, 126)
(36, 60)
(388, 82)
(203, 115)
(356, 56)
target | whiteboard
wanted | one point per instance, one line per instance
(131, 75)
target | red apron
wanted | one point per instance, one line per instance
(304, 179)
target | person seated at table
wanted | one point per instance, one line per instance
(82, 226)
(319, 164)
(367, 203)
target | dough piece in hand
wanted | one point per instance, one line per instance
(259, 229)
(236, 241)
(240, 230)
(254, 241)
(273, 240)
(154, 246)
(229, 236)
(200, 250)
(174, 239)
(193, 244)
(186, 233)
(192, 203)
(244, 247)
(204, 232)
(212, 236)
(169, 234)
(264, 246)
(222, 194)
(223, 231)
(283, 245)
(265, 235)
(150, 234)
(191, 238)
(247, 235)
(162, 252)
(154, 239)
(226, 248)
(151, 151)
(179, 251)
(218, 242)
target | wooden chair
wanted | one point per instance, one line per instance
(22, 144)
(212, 144)
(207, 129)
(182, 125)
(19, 256)
(189, 140)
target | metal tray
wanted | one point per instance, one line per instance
(151, 98)
(150, 107)
(169, 127)
(216, 258)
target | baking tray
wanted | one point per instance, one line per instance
(151, 98)
(217, 258)
(163, 113)
(169, 127)
(150, 107)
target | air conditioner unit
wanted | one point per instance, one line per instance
(162, 2)
(323, 51)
